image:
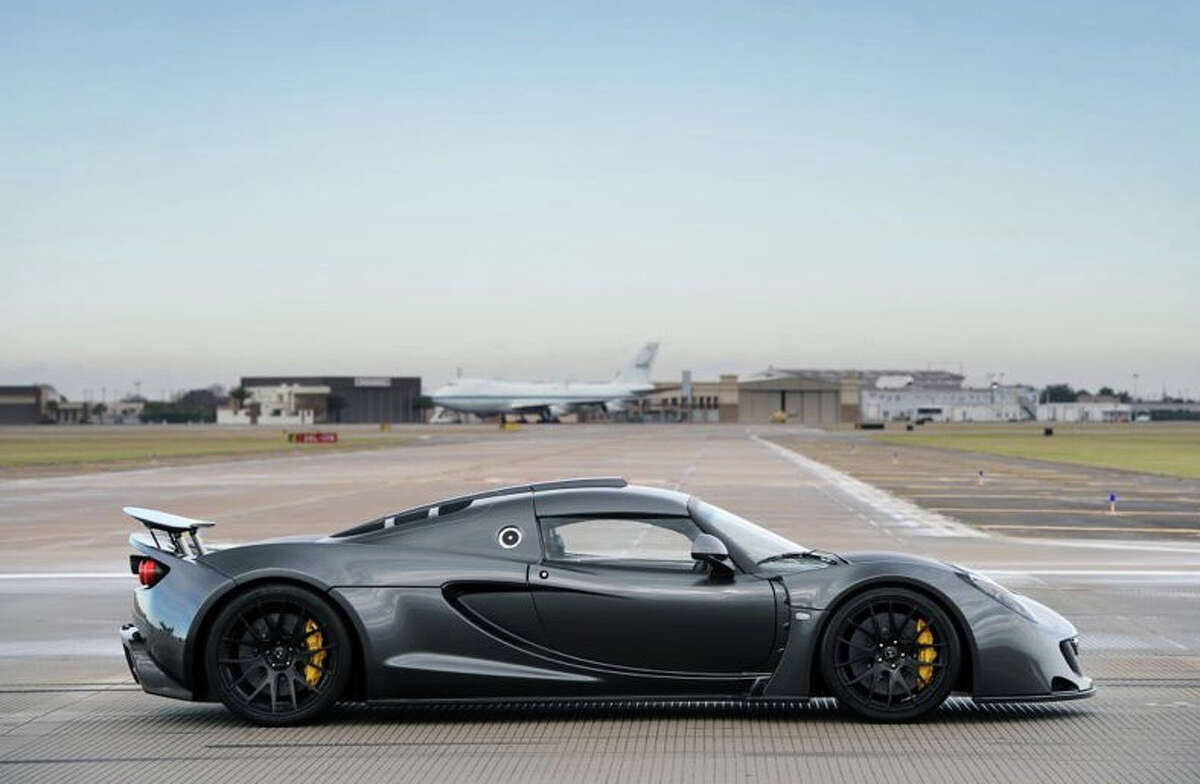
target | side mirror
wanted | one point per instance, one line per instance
(711, 550)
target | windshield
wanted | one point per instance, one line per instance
(755, 541)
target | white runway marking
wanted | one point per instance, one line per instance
(893, 510)
(67, 576)
(1095, 572)
(87, 648)
(1114, 544)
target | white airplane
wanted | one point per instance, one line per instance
(549, 400)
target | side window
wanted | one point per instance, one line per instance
(619, 539)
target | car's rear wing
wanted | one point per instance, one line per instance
(182, 533)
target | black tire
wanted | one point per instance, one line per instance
(890, 654)
(278, 655)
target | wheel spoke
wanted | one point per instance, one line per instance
(860, 646)
(298, 624)
(317, 689)
(904, 624)
(846, 662)
(245, 660)
(272, 627)
(249, 626)
(872, 696)
(270, 676)
(861, 678)
(245, 674)
(861, 626)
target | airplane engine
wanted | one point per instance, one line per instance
(615, 406)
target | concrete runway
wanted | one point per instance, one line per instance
(1017, 496)
(69, 709)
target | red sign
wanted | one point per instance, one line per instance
(313, 438)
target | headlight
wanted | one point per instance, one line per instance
(996, 591)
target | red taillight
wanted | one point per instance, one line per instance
(150, 571)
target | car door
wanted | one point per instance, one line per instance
(625, 591)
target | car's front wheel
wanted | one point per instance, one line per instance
(278, 655)
(890, 654)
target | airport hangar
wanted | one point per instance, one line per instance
(38, 404)
(820, 398)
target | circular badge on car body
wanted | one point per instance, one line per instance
(509, 537)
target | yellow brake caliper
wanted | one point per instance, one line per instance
(312, 670)
(926, 655)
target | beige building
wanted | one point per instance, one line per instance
(822, 397)
(805, 401)
(709, 401)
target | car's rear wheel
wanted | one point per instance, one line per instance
(278, 655)
(890, 654)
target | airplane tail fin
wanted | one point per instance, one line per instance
(639, 369)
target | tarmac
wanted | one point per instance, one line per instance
(68, 707)
(1016, 496)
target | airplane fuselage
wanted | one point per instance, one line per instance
(486, 397)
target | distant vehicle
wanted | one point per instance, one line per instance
(548, 400)
(575, 589)
(927, 414)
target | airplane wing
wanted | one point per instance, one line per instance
(536, 406)
(554, 407)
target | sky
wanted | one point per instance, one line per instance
(190, 192)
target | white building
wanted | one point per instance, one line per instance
(284, 405)
(122, 412)
(948, 404)
(1086, 411)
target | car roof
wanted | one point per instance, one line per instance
(628, 500)
(601, 494)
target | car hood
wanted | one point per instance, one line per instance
(877, 556)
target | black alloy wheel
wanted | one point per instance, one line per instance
(890, 654)
(278, 655)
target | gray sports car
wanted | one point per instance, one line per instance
(576, 589)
